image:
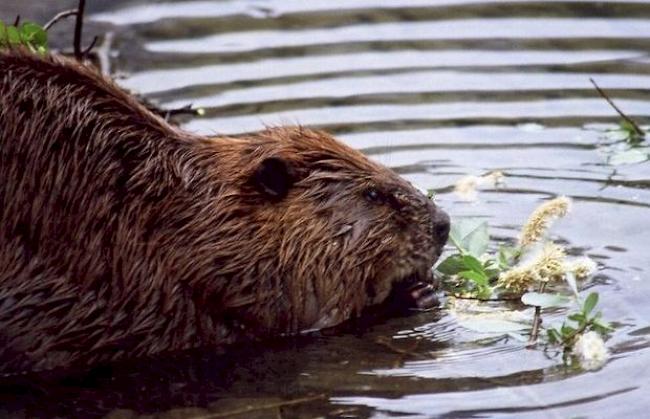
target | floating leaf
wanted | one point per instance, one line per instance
(544, 300)
(631, 156)
(490, 325)
(518, 337)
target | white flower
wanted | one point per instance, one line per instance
(582, 267)
(548, 264)
(591, 351)
(466, 187)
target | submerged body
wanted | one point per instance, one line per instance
(122, 236)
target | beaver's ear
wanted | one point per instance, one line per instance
(274, 177)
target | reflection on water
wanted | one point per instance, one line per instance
(437, 90)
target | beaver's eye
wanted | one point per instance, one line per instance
(373, 195)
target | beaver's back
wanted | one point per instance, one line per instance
(76, 150)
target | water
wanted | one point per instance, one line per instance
(437, 90)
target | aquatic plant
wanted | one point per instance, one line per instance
(523, 272)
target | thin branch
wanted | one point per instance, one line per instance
(78, 26)
(92, 44)
(266, 406)
(537, 320)
(604, 95)
(168, 113)
(387, 342)
(59, 16)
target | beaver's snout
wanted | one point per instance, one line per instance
(441, 225)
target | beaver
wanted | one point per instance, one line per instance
(123, 236)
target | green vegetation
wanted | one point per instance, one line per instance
(28, 34)
(629, 146)
(579, 322)
(523, 272)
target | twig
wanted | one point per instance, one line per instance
(537, 320)
(92, 44)
(59, 16)
(17, 21)
(387, 342)
(266, 406)
(604, 95)
(168, 113)
(567, 341)
(78, 26)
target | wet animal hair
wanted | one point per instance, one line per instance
(122, 236)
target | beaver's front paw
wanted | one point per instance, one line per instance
(416, 293)
(422, 296)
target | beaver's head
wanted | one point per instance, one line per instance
(330, 232)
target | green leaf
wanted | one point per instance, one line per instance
(590, 303)
(478, 240)
(477, 277)
(472, 263)
(553, 336)
(567, 330)
(577, 317)
(544, 300)
(452, 265)
(632, 156)
(13, 36)
(483, 292)
(507, 256)
(601, 327)
(492, 273)
(632, 135)
(34, 34)
(470, 235)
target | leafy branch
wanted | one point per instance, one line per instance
(512, 272)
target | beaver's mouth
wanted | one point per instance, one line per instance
(413, 289)
(407, 288)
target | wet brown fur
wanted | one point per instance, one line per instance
(121, 236)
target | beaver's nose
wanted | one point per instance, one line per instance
(441, 225)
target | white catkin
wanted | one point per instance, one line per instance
(591, 351)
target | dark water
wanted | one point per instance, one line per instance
(437, 90)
